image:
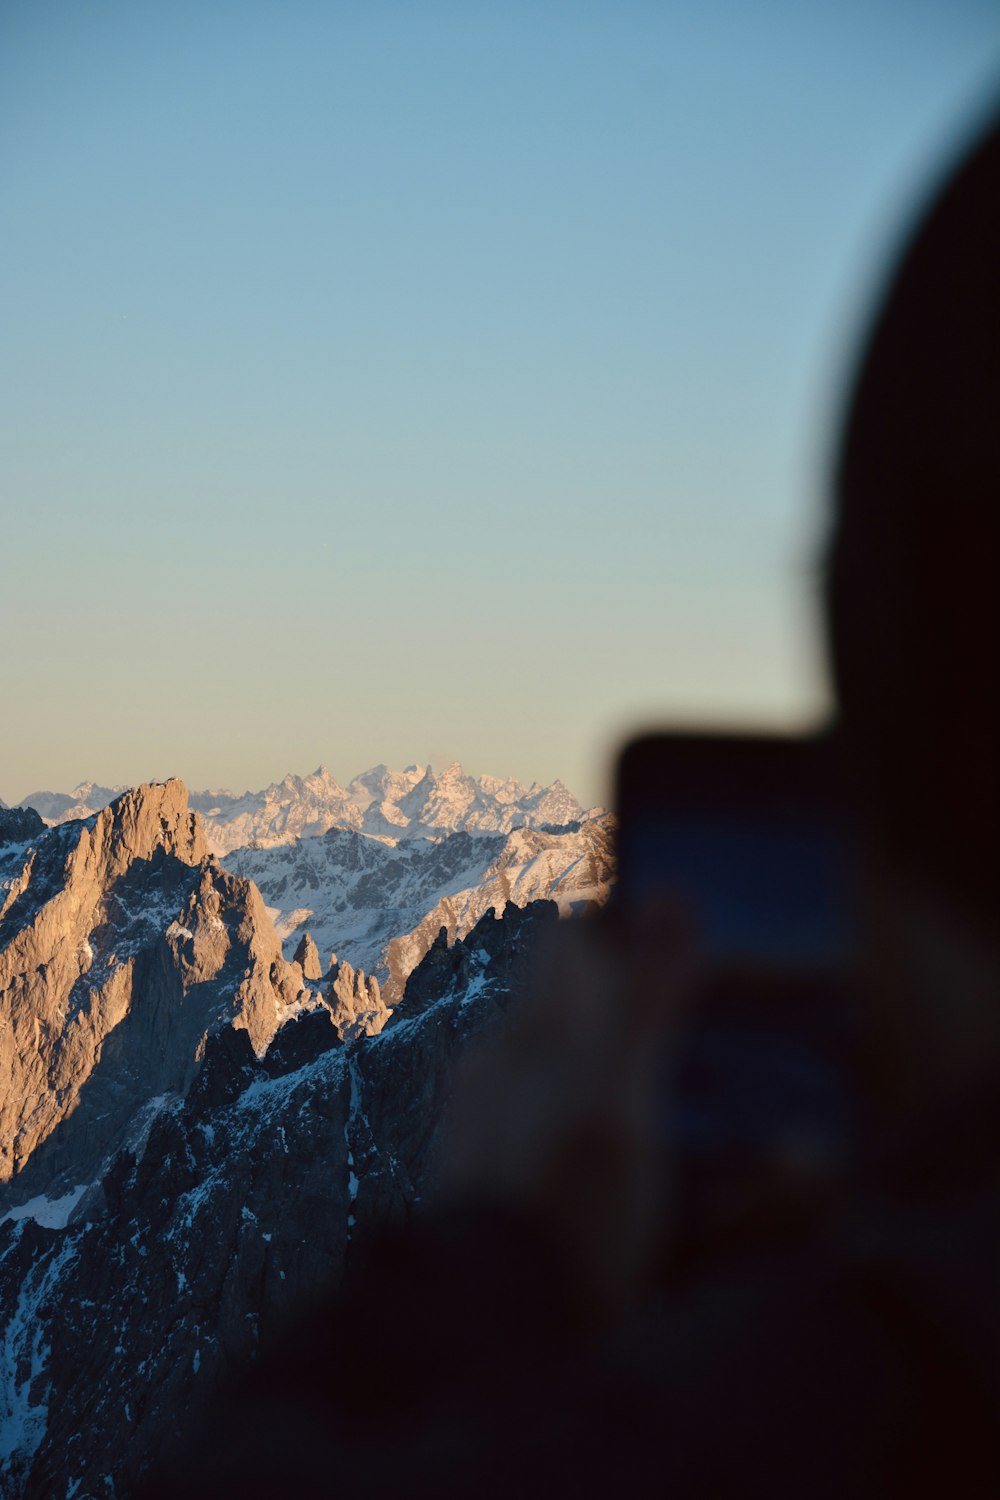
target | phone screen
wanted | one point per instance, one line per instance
(751, 834)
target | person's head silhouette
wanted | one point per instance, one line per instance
(912, 587)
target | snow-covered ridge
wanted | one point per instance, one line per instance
(81, 802)
(386, 804)
(381, 905)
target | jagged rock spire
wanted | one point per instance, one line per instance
(121, 931)
(307, 957)
(355, 1001)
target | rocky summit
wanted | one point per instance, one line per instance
(197, 1129)
(123, 943)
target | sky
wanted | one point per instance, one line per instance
(409, 383)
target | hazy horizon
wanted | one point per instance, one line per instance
(407, 385)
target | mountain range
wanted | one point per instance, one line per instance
(204, 1118)
(391, 805)
(380, 906)
(372, 871)
(195, 1125)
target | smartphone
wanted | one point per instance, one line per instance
(752, 833)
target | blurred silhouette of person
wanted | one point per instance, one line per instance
(515, 1341)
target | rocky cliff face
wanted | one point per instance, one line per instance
(240, 1200)
(18, 824)
(123, 942)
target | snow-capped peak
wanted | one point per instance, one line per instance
(387, 804)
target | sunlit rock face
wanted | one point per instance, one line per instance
(122, 943)
(307, 957)
(355, 1000)
(228, 1208)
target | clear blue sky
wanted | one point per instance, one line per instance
(427, 381)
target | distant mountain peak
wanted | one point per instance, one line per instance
(387, 804)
